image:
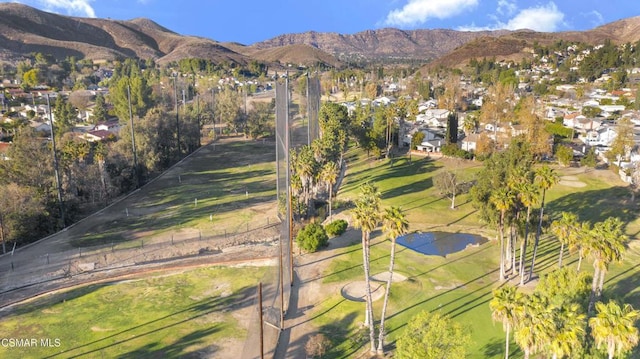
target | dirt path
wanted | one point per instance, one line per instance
(307, 293)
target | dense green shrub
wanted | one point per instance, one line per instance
(336, 228)
(312, 237)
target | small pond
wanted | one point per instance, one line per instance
(439, 243)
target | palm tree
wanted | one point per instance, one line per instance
(506, 307)
(329, 175)
(614, 327)
(581, 242)
(366, 217)
(529, 198)
(502, 199)
(565, 229)
(607, 245)
(568, 332)
(534, 326)
(394, 224)
(545, 177)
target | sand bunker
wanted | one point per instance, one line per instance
(356, 291)
(384, 276)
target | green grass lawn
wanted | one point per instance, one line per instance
(185, 314)
(215, 192)
(461, 284)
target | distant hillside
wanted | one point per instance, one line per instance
(298, 54)
(24, 30)
(516, 45)
(382, 44)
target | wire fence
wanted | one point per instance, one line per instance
(25, 269)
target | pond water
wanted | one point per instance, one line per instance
(439, 243)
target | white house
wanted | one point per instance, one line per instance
(601, 137)
(470, 142)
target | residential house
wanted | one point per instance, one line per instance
(470, 142)
(97, 135)
(41, 127)
(431, 146)
(600, 137)
(111, 126)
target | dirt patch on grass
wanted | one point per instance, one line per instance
(574, 184)
(356, 291)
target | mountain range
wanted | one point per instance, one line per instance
(25, 30)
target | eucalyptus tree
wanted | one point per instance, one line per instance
(394, 224)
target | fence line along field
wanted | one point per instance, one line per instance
(219, 198)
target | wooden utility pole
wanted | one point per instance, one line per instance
(175, 91)
(56, 164)
(261, 320)
(133, 140)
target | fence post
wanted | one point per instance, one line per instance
(47, 258)
(79, 252)
(171, 239)
(12, 265)
(142, 243)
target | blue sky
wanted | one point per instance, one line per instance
(249, 21)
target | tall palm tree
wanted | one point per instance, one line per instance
(506, 307)
(394, 224)
(607, 245)
(565, 229)
(529, 197)
(581, 242)
(366, 217)
(545, 178)
(614, 327)
(502, 199)
(329, 175)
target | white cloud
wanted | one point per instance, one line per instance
(541, 18)
(419, 11)
(545, 18)
(67, 7)
(506, 7)
(597, 18)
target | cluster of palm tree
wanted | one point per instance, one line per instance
(558, 328)
(604, 243)
(556, 323)
(367, 216)
(309, 173)
(514, 202)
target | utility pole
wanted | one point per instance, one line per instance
(56, 164)
(175, 91)
(133, 140)
(198, 117)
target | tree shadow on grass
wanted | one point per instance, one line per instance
(240, 299)
(626, 286)
(596, 205)
(178, 349)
